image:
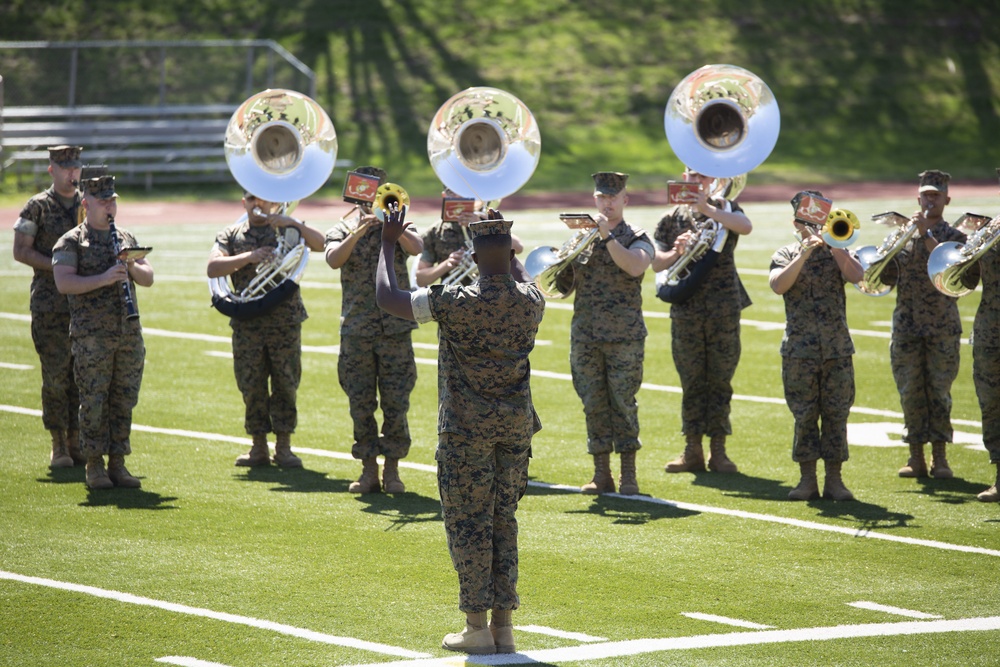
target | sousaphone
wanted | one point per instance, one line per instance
(282, 147)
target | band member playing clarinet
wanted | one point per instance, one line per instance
(47, 216)
(108, 351)
(705, 329)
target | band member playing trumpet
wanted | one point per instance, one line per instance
(107, 345)
(267, 348)
(817, 367)
(376, 363)
(926, 334)
(705, 329)
(446, 245)
(608, 334)
(47, 216)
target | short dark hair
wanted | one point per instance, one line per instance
(488, 242)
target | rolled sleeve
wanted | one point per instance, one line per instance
(26, 227)
(420, 302)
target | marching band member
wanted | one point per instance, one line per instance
(267, 347)
(486, 418)
(107, 345)
(607, 335)
(817, 367)
(46, 217)
(376, 363)
(705, 329)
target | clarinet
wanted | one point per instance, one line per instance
(131, 311)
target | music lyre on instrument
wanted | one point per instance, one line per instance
(280, 146)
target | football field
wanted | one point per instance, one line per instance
(212, 565)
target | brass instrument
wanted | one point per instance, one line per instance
(280, 146)
(721, 121)
(874, 259)
(131, 310)
(547, 264)
(387, 195)
(841, 228)
(483, 143)
(949, 261)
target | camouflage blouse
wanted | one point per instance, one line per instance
(440, 241)
(921, 310)
(45, 219)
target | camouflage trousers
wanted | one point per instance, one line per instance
(370, 369)
(706, 353)
(986, 378)
(607, 376)
(819, 391)
(924, 368)
(268, 353)
(60, 396)
(108, 372)
(480, 485)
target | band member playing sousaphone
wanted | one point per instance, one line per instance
(376, 366)
(817, 366)
(926, 333)
(705, 328)
(91, 263)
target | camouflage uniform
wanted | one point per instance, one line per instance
(269, 346)
(926, 337)
(440, 241)
(986, 352)
(45, 218)
(485, 424)
(817, 367)
(607, 342)
(376, 351)
(108, 350)
(705, 332)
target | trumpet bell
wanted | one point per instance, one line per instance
(722, 120)
(386, 195)
(841, 228)
(483, 143)
(280, 145)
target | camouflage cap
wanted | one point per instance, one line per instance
(489, 227)
(67, 157)
(934, 179)
(609, 182)
(89, 171)
(373, 171)
(100, 187)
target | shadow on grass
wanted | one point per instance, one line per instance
(402, 509)
(624, 510)
(129, 499)
(74, 475)
(865, 516)
(293, 480)
(739, 485)
(954, 491)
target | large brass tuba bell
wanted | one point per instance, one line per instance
(281, 147)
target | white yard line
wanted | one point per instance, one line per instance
(16, 367)
(562, 634)
(712, 618)
(261, 624)
(898, 611)
(184, 661)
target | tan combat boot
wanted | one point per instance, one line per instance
(603, 482)
(808, 488)
(390, 476)
(917, 465)
(368, 482)
(60, 457)
(258, 454)
(119, 474)
(628, 485)
(939, 462)
(502, 629)
(73, 447)
(833, 485)
(476, 639)
(97, 476)
(283, 451)
(718, 461)
(992, 494)
(693, 458)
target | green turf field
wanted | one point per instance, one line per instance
(209, 564)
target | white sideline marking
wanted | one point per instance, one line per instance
(15, 367)
(218, 353)
(562, 634)
(281, 628)
(872, 606)
(726, 621)
(188, 662)
(642, 646)
(705, 509)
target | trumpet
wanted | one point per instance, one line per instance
(950, 261)
(387, 195)
(841, 228)
(874, 259)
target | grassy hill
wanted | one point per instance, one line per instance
(867, 89)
